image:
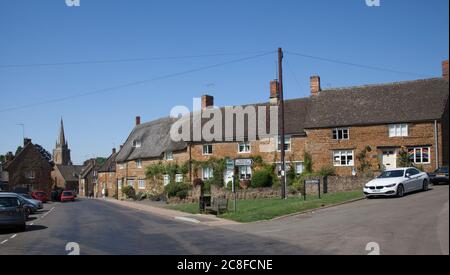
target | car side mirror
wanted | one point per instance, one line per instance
(408, 175)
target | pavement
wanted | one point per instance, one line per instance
(415, 224)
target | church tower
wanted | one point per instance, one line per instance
(61, 153)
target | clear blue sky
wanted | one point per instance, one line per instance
(403, 35)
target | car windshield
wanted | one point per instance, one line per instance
(67, 194)
(8, 202)
(392, 174)
(442, 170)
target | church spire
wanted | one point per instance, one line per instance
(62, 138)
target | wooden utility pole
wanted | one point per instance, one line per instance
(281, 123)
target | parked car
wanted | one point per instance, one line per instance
(55, 195)
(40, 196)
(38, 204)
(12, 212)
(397, 182)
(439, 176)
(67, 196)
(28, 206)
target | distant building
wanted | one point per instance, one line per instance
(107, 177)
(61, 153)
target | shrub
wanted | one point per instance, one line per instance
(327, 171)
(308, 163)
(129, 192)
(141, 196)
(207, 186)
(262, 178)
(298, 185)
(179, 190)
(245, 184)
(198, 182)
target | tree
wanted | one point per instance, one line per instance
(19, 148)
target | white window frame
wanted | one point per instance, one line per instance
(168, 155)
(344, 131)
(130, 183)
(415, 149)
(344, 154)
(179, 178)
(136, 143)
(138, 163)
(244, 147)
(209, 149)
(398, 130)
(119, 184)
(245, 172)
(166, 179)
(30, 174)
(207, 173)
(297, 163)
(141, 184)
(287, 143)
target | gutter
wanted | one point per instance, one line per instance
(436, 144)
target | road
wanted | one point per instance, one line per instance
(415, 224)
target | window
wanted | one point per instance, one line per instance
(299, 168)
(141, 184)
(287, 143)
(30, 174)
(245, 172)
(94, 173)
(130, 183)
(178, 178)
(419, 155)
(341, 134)
(398, 130)
(343, 158)
(136, 143)
(244, 148)
(207, 149)
(119, 184)
(121, 166)
(412, 172)
(166, 179)
(138, 163)
(207, 173)
(168, 156)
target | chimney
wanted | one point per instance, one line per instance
(26, 141)
(207, 101)
(274, 91)
(121, 146)
(138, 120)
(445, 69)
(315, 85)
(114, 150)
(9, 156)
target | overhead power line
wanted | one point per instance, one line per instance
(129, 60)
(369, 67)
(135, 83)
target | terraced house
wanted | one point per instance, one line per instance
(348, 129)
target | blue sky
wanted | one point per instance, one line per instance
(402, 35)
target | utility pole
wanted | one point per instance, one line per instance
(281, 123)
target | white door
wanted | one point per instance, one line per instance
(389, 159)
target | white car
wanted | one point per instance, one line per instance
(397, 182)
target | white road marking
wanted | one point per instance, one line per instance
(13, 236)
(4, 242)
(32, 223)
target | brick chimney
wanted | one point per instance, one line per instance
(113, 150)
(207, 101)
(445, 69)
(274, 91)
(315, 85)
(26, 141)
(9, 156)
(138, 120)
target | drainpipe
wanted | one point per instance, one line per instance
(436, 145)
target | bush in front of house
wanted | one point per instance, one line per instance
(178, 190)
(262, 178)
(141, 196)
(129, 192)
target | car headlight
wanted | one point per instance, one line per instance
(366, 186)
(390, 185)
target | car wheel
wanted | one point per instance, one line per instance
(400, 191)
(425, 186)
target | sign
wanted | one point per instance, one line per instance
(312, 182)
(230, 164)
(243, 162)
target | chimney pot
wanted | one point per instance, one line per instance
(207, 101)
(138, 120)
(114, 150)
(26, 141)
(445, 69)
(315, 85)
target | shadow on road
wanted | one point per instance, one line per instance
(35, 227)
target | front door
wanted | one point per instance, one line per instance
(389, 159)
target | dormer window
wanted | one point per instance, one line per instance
(168, 155)
(136, 143)
(341, 134)
(398, 130)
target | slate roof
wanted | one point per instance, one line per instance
(400, 102)
(70, 172)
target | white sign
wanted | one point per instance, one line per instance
(243, 162)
